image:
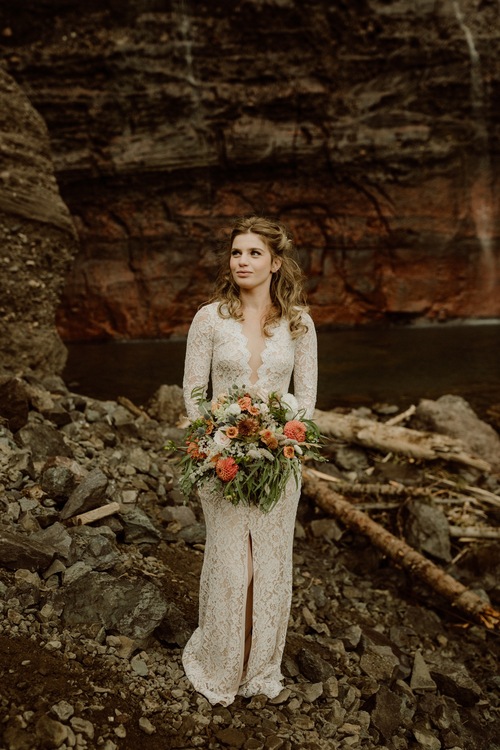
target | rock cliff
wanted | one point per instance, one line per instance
(37, 238)
(371, 127)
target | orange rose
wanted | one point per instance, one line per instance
(244, 403)
(253, 410)
(288, 451)
(232, 432)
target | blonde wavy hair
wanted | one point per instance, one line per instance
(288, 299)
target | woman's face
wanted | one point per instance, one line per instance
(251, 263)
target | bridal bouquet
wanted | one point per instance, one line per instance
(249, 444)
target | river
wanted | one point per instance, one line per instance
(357, 366)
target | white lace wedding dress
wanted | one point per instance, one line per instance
(213, 657)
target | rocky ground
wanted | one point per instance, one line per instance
(93, 617)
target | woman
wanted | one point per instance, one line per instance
(255, 332)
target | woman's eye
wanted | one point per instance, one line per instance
(255, 252)
(235, 252)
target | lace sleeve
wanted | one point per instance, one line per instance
(305, 373)
(198, 360)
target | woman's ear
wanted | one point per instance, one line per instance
(276, 265)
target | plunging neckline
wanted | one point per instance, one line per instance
(245, 344)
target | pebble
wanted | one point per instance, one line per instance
(146, 726)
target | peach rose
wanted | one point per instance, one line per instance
(232, 432)
(288, 451)
(244, 403)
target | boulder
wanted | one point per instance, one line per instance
(453, 416)
(43, 441)
(427, 529)
(87, 495)
(22, 551)
(132, 608)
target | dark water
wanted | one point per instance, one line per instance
(356, 366)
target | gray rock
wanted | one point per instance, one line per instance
(14, 406)
(57, 537)
(138, 527)
(351, 459)
(82, 726)
(421, 677)
(379, 662)
(313, 667)
(140, 460)
(167, 404)
(426, 739)
(22, 551)
(87, 495)
(427, 529)
(174, 627)
(60, 476)
(62, 710)
(75, 571)
(386, 716)
(309, 691)
(132, 608)
(194, 534)
(180, 514)
(146, 726)
(453, 416)
(22, 461)
(50, 733)
(43, 441)
(94, 546)
(327, 528)
(456, 682)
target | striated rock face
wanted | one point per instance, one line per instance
(37, 239)
(371, 127)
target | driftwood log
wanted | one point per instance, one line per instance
(399, 552)
(395, 439)
(94, 515)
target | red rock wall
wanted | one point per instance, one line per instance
(371, 127)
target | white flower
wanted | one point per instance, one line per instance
(221, 439)
(291, 405)
(233, 410)
(254, 453)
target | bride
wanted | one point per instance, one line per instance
(255, 332)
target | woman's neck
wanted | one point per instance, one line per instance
(255, 302)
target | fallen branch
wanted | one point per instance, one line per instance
(400, 553)
(132, 408)
(474, 532)
(485, 495)
(379, 490)
(94, 515)
(419, 445)
(401, 417)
